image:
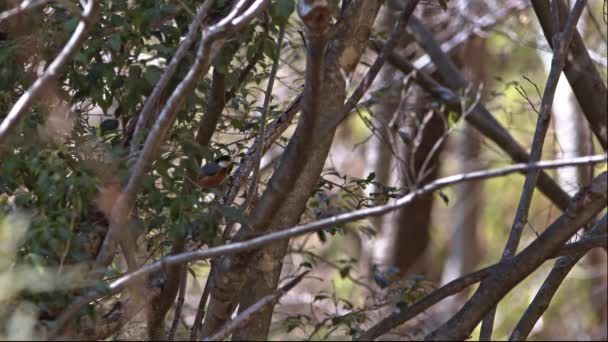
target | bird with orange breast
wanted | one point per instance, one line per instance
(213, 174)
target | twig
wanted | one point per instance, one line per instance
(480, 118)
(178, 306)
(200, 310)
(475, 25)
(273, 131)
(245, 316)
(558, 273)
(335, 119)
(252, 63)
(262, 130)
(584, 207)
(587, 84)
(146, 115)
(449, 289)
(561, 42)
(90, 14)
(457, 285)
(257, 242)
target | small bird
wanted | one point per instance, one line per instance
(214, 174)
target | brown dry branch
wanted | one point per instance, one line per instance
(583, 208)
(547, 290)
(52, 73)
(236, 247)
(562, 41)
(587, 84)
(480, 118)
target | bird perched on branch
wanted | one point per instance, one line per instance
(214, 173)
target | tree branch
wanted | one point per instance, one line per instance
(262, 130)
(562, 40)
(398, 30)
(52, 73)
(584, 78)
(225, 283)
(583, 208)
(211, 41)
(547, 290)
(178, 306)
(257, 242)
(457, 285)
(247, 315)
(480, 117)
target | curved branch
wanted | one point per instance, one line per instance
(257, 242)
(562, 40)
(52, 73)
(248, 314)
(457, 285)
(558, 273)
(583, 208)
(480, 118)
(146, 116)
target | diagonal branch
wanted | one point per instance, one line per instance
(146, 116)
(558, 273)
(587, 84)
(397, 32)
(584, 207)
(562, 40)
(52, 73)
(480, 118)
(262, 130)
(236, 247)
(248, 314)
(460, 284)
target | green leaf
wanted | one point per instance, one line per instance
(70, 25)
(371, 177)
(114, 42)
(453, 118)
(281, 10)
(108, 125)
(152, 74)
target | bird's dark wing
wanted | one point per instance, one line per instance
(210, 169)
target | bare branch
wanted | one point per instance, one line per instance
(50, 75)
(481, 118)
(562, 42)
(587, 84)
(178, 306)
(457, 285)
(248, 314)
(262, 130)
(555, 278)
(273, 131)
(398, 30)
(257, 242)
(583, 208)
(475, 25)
